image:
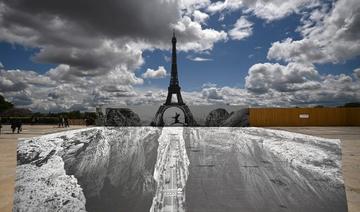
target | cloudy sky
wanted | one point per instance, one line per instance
(75, 55)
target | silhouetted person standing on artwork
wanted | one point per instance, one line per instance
(176, 118)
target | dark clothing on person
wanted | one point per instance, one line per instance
(33, 120)
(16, 124)
(61, 121)
(66, 122)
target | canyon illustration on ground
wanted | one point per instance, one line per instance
(179, 169)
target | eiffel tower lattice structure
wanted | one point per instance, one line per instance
(174, 88)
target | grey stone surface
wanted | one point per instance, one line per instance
(256, 170)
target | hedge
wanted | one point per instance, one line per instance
(27, 120)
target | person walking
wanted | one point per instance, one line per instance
(33, 120)
(61, 121)
(66, 122)
(16, 124)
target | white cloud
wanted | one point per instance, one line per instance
(266, 9)
(276, 9)
(191, 36)
(212, 93)
(242, 29)
(17, 80)
(209, 85)
(219, 6)
(198, 59)
(167, 58)
(155, 74)
(200, 17)
(357, 73)
(295, 76)
(327, 36)
(191, 5)
(91, 44)
(299, 84)
(56, 90)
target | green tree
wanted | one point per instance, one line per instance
(352, 104)
(5, 105)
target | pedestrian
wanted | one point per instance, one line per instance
(12, 126)
(66, 122)
(16, 124)
(19, 126)
(33, 119)
(61, 121)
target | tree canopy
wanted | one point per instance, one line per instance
(5, 105)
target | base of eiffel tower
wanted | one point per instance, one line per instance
(159, 121)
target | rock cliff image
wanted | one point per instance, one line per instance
(256, 170)
(239, 118)
(221, 118)
(179, 169)
(121, 117)
(216, 117)
(112, 168)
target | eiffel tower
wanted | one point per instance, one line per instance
(174, 88)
